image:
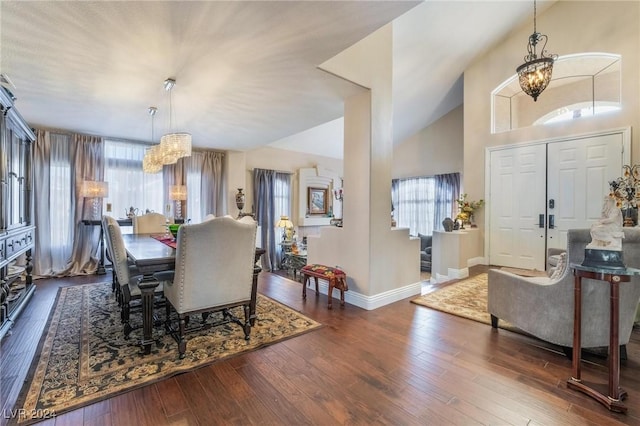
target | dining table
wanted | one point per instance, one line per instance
(153, 253)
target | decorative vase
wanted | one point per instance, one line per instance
(240, 199)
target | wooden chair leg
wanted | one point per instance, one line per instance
(305, 279)
(332, 284)
(317, 291)
(182, 343)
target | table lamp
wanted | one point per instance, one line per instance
(178, 193)
(285, 223)
(97, 191)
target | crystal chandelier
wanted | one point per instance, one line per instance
(173, 145)
(535, 74)
(152, 161)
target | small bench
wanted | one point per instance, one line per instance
(336, 277)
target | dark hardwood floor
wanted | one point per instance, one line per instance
(399, 364)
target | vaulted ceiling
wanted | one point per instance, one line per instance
(246, 72)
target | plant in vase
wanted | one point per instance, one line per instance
(466, 209)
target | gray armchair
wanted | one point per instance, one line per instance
(214, 272)
(425, 252)
(543, 306)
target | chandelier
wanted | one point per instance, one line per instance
(535, 74)
(173, 145)
(152, 161)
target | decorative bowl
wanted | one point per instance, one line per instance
(173, 228)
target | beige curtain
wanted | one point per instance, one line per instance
(64, 245)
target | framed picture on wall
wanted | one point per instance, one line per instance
(317, 200)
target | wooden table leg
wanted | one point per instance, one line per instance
(147, 290)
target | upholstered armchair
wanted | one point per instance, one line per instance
(150, 223)
(543, 306)
(425, 252)
(213, 272)
(127, 276)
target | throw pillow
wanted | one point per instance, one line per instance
(560, 267)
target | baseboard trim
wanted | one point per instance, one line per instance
(372, 302)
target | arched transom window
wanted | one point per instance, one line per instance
(583, 85)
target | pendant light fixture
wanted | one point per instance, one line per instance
(173, 145)
(535, 74)
(152, 161)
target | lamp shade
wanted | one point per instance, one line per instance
(284, 222)
(178, 192)
(94, 189)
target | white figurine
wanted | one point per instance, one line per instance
(606, 233)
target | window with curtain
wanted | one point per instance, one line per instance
(422, 203)
(60, 197)
(272, 195)
(129, 186)
(282, 199)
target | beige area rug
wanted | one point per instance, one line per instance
(83, 357)
(466, 298)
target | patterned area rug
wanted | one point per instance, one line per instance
(466, 298)
(84, 358)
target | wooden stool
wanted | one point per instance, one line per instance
(336, 277)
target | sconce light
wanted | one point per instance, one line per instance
(97, 191)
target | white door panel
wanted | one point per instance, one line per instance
(517, 198)
(575, 174)
(579, 172)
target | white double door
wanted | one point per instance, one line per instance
(538, 192)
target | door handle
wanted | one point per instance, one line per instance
(551, 222)
(541, 221)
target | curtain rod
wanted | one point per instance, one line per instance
(277, 171)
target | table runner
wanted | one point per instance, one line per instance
(166, 239)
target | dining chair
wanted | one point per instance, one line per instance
(213, 272)
(127, 275)
(150, 223)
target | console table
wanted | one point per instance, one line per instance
(97, 222)
(614, 395)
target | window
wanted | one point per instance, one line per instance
(414, 204)
(129, 186)
(583, 85)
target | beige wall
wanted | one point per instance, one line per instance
(572, 27)
(286, 161)
(435, 150)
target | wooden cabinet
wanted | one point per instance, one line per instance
(17, 233)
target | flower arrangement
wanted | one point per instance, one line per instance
(625, 190)
(466, 208)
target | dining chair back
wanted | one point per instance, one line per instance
(213, 271)
(150, 223)
(127, 275)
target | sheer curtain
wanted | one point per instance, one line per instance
(422, 203)
(129, 186)
(447, 189)
(413, 200)
(64, 245)
(53, 200)
(272, 195)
